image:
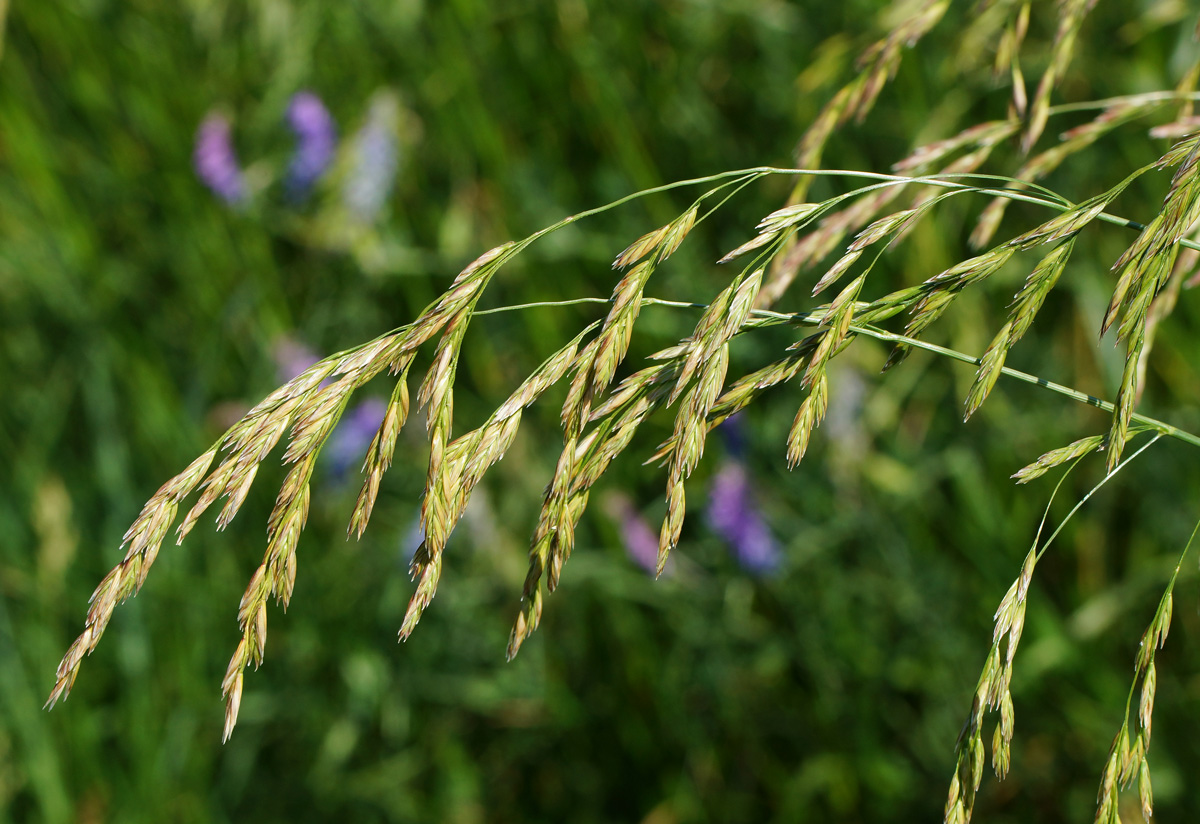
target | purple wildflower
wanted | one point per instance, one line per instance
(316, 137)
(349, 441)
(373, 172)
(733, 516)
(640, 539)
(216, 161)
(291, 357)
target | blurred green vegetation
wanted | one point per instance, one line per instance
(136, 311)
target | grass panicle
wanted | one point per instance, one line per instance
(599, 419)
(1145, 268)
(1026, 305)
(607, 400)
(383, 445)
(1128, 762)
(1058, 457)
(993, 690)
(697, 382)
(706, 362)
(1071, 14)
(877, 65)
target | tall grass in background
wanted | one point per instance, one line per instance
(832, 684)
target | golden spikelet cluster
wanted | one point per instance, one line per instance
(1070, 20)
(577, 467)
(142, 541)
(1005, 23)
(1128, 763)
(306, 408)
(599, 419)
(1058, 457)
(602, 411)
(1026, 305)
(836, 325)
(877, 65)
(1145, 267)
(697, 386)
(992, 692)
(1116, 113)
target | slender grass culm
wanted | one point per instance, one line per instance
(690, 381)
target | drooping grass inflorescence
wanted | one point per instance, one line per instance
(598, 422)
(606, 404)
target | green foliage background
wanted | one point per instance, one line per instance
(135, 310)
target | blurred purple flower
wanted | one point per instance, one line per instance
(316, 137)
(638, 536)
(733, 516)
(373, 171)
(291, 357)
(216, 161)
(348, 444)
